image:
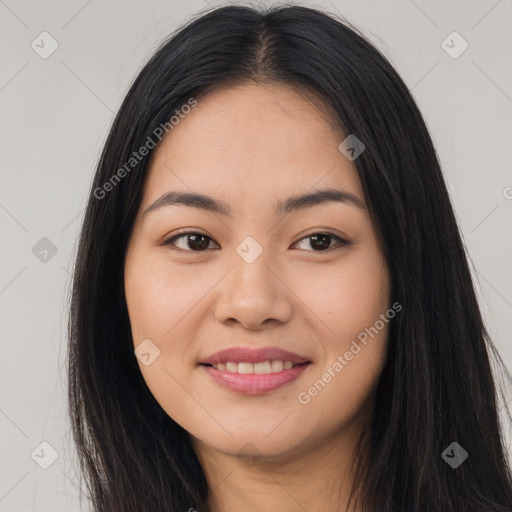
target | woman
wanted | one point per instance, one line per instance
(272, 307)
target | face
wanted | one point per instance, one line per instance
(308, 278)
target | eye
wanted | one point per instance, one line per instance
(322, 241)
(197, 242)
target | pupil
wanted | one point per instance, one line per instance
(193, 241)
(324, 244)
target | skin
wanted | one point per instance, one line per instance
(250, 146)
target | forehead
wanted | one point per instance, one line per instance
(252, 140)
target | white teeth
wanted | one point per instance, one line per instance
(231, 367)
(277, 366)
(245, 368)
(263, 367)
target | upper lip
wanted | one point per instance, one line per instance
(248, 355)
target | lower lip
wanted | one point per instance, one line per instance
(254, 383)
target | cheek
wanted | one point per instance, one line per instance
(160, 301)
(347, 297)
(356, 344)
(159, 295)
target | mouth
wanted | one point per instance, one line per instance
(254, 371)
(255, 383)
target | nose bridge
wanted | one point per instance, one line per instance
(252, 293)
(251, 274)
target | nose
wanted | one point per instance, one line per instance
(253, 295)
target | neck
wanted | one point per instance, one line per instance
(315, 478)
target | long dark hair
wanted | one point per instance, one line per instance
(437, 386)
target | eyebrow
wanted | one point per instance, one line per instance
(292, 203)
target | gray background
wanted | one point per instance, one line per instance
(55, 116)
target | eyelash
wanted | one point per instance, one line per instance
(341, 242)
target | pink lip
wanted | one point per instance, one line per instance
(246, 355)
(253, 383)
